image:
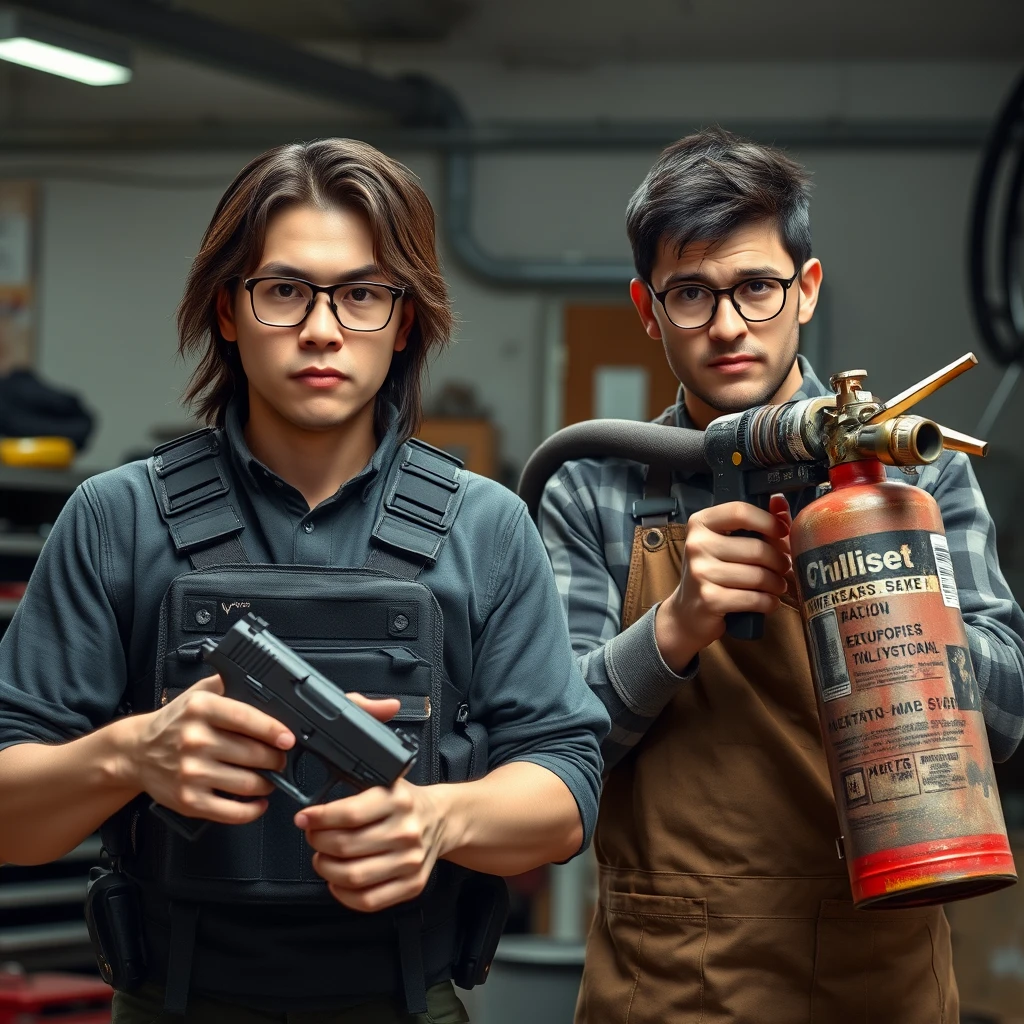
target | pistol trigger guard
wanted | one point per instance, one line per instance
(333, 778)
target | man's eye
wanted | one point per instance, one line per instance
(283, 291)
(758, 289)
(691, 293)
(358, 294)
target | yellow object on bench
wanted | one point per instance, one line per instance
(37, 452)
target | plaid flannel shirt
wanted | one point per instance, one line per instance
(587, 526)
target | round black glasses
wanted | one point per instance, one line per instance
(357, 305)
(756, 299)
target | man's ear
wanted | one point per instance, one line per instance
(226, 314)
(405, 323)
(809, 283)
(644, 302)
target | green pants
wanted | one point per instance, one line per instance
(146, 1007)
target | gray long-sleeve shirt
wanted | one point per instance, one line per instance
(87, 626)
(588, 530)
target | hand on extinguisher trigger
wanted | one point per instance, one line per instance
(779, 507)
(723, 572)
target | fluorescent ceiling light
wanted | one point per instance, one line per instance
(38, 45)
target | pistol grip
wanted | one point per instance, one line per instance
(745, 625)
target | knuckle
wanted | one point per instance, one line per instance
(193, 737)
(410, 833)
(197, 705)
(414, 860)
(188, 798)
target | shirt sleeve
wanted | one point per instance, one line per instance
(526, 685)
(62, 664)
(994, 621)
(625, 669)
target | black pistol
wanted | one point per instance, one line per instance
(260, 670)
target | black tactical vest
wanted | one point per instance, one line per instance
(376, 629)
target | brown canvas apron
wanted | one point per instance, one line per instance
(721, 893)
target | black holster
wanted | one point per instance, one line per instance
(483, 910)
(114, 919)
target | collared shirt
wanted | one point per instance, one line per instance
(587, 526)
(86, 630)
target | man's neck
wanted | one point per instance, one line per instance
(315, 462)
(701, 413)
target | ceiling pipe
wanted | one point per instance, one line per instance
(428, 110)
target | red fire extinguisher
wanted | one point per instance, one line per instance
(899, 704)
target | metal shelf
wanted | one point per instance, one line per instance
(43, 936)
(20, 544)
(19, 478)
(42, 894)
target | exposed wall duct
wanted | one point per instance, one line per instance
(428, 116)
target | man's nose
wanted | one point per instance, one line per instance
(727, 324)
(321, 326)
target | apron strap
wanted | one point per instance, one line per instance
(657, 505)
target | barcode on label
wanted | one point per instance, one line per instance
(944, 570)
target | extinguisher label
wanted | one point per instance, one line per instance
(866, 601)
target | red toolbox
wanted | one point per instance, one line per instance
(53, 998)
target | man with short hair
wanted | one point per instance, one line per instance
(721, 896)
(312, 306)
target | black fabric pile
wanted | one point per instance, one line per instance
(30, 408)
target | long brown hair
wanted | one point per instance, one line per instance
(328, 172)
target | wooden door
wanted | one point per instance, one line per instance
(612, 367)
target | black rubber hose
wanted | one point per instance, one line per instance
(650, 443)
(992, 317)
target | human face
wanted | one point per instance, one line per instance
(728, 364)
(316, 376)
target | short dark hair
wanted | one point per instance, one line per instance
(328, 172)
(702, 188)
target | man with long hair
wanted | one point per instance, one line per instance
(312, 307)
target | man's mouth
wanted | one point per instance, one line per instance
(321, 377)
(733, 364)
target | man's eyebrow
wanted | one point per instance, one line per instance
(286, 270)
(698, 277)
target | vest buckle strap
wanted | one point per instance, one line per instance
(421, 501)
(188, 472)
(193, 493)
(422, 494)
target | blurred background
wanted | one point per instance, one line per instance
(529, 124)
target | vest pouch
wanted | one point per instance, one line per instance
(374, 634)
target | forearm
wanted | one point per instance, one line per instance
(631, 677)
(53, 796)
(516, 818)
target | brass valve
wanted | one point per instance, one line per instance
(858, 426)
